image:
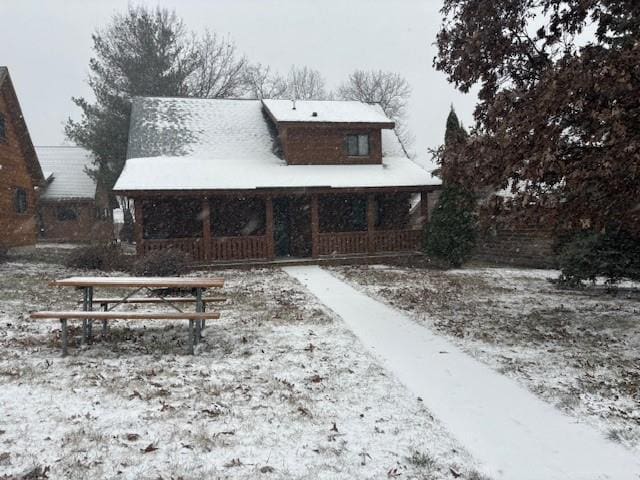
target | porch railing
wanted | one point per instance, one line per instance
(194, 247)
(342, 243)
(397, 240)
(345, 243)
(239, 248)
(220, 248)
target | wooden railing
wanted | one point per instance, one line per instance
(220, 248)
(239, 248)
(194, 247)
(342, 243)
(397, 240)
(345, 243)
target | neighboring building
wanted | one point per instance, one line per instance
(70, 208)
(20, 173)
(250, 179)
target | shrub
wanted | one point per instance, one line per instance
(99, 256)
(162, 263)
(451, 233)
(588, 255)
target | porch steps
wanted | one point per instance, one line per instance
(407, 258)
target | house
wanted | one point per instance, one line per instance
(20, 172)
(70, 207)
(229, 179)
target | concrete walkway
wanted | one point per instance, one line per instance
(511, 432)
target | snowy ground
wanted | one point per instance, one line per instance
(278, 389)
(577, 350)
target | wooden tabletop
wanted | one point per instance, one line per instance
(151, 282)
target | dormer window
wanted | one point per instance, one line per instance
(358, 145)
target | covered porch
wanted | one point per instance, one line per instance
(249, 225)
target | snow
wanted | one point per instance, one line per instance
(67, 167)
(515, 434)
(575, 349)
(189, 173)
(192, 144)
(278, 383)
(327, 111)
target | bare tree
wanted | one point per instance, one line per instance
(220, 71)
(261, 82)
(390, 90)
(304, 83)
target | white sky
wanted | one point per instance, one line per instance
(47, 45)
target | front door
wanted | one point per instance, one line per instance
(292, 226)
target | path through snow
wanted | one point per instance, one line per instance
(512, 432)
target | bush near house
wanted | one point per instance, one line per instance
(99, 256)
(451, 233)
(162, 263)
(610, 254)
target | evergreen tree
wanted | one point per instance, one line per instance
(451, 232)
(143, 52)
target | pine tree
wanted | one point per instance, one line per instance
(451, 232)
(142, 52)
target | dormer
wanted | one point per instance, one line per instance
(315, 132)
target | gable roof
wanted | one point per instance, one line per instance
(66, 173)
(221, 144)
(327, 111)
(24, 139)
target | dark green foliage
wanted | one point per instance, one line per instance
(142, 53)
(454, 131)
(99, 256)
(613, 255)
(162, 263)
(451, 233)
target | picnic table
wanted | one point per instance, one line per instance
(158, 287)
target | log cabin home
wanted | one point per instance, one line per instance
(20, 172)
(229, 180)
(71, 209)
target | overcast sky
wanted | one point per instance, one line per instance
(47, 45)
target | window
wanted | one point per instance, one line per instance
(21, 200)
(358, 145)
(66, 214)
(3, 132)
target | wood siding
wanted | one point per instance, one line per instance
(325, 145)
(87, 227)
(16, 229)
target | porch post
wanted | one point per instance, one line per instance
(371, 222)
(138, 225)
(269, 227)
(315, 225)
(206, 227)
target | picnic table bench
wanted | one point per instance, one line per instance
(138, 284)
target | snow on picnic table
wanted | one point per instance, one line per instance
(278, 388)
(578, 350)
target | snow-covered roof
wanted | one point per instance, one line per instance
(216, 144)
(65, 172)
(328, 111)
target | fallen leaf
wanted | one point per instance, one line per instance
(150, 448)
(132, 437)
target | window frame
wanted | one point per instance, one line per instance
(68, 209)
(357, 137)
(3, 129)
(21, 201)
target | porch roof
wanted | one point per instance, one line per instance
(189, 173)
